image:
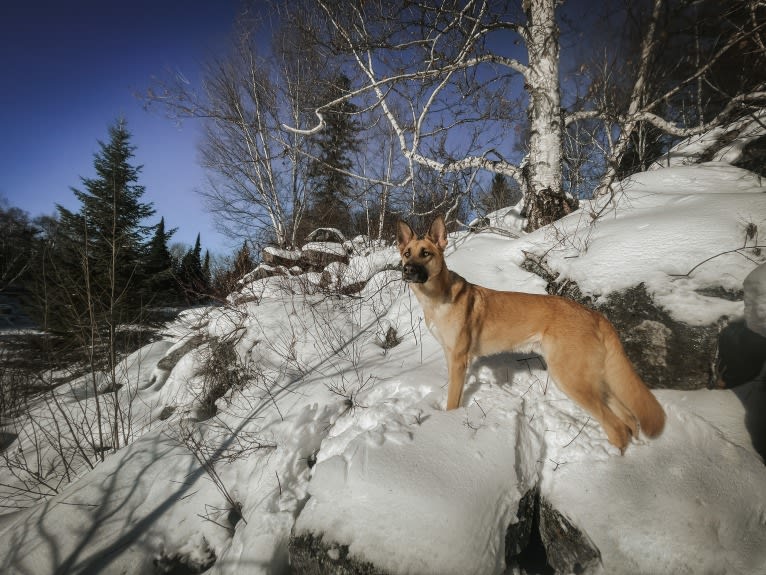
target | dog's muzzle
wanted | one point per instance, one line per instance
(413, 273)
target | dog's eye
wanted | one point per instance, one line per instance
(425, 253)
(407, 254)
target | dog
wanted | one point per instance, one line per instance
(581, 348)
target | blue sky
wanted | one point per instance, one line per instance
(68, 70)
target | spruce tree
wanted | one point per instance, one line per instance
(243, 262)
(101, 245)
(501, 194)
(191, 273)
(338, 140)
(161, 286)
(207, 277)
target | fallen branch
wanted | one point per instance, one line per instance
(737, 250)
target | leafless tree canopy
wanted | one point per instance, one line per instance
(557, 98)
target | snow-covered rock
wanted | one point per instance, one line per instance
(318, 255)
(278, 257)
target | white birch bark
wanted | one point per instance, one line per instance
(543, 188)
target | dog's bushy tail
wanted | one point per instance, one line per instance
(627, 387)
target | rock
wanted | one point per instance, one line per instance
(266, 271)
(326, 235)
(332, 275)
(741, 354)
(665, 352)
(754, 294)
(170, 359)
(517, 535)
(568, 549)
(310, 555)
(753, 156)
(318, 255)
(276, 257)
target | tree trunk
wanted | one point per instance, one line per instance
(546, 200)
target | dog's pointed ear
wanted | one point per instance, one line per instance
(437, 233)
(404, 234)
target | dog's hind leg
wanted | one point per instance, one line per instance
(580, 379)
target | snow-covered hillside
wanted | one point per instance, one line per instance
(331, 431)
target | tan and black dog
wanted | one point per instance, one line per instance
(580, 346)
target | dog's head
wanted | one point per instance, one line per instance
(422, 257)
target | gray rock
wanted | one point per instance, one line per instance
(273, 258)
(568, 549)
(517, 535)
(665, 352)
(741, 354)
(169, 361)
(318, 259)
(311, 555)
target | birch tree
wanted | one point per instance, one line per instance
(258, 183)
(453, 66)
(676, 90)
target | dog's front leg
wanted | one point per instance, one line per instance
(457, 365)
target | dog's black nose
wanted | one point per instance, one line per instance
(414, 273)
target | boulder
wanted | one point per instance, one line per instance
(333, 235)
(176, 352)
(754, 294)
(311, 555)
(567, 548)
(665, 352)
(318, 255)
(278, 257)
(266, 271)
(518, 534)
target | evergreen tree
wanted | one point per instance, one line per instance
(207, 276)
(161, 286)
(18, 245)
(100, 247)
(501, 194)
(191, 276)
(243, 262)
(332, 187)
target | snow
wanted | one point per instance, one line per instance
(401, 469)
(362, 268)
(660, 479)
(691, 150)
(508, 220)
(333, 434)
(680, 231)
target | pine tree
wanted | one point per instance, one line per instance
(333, 188)
(101, 246)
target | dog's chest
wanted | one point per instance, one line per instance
(443, 324)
